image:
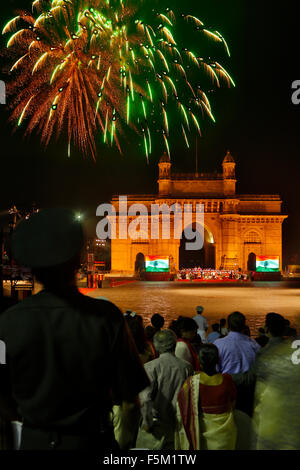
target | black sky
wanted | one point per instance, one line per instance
(256, 121)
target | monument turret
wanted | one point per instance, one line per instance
(164, 179)
(229, 179)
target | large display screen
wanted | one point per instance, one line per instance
(267, 264)
(157, 264)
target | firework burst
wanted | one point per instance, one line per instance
(91, 68)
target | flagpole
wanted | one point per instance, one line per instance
(196, 156)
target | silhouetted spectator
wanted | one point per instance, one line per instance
(262, 339)
(136, 326)
(174, 326)
(68, 354)
(167, 374)
(6, 302)
(215, 334)
(149, 332)
(201, 323)
(187, 331)
(237, 351)
(246, 331)
(223, 329)
(157, 321)
(289, 331)
(277, 398)
(245, 382)
(197, 343)
(8, 406)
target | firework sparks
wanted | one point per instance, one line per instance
(91, 68)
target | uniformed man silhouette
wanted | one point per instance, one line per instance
(70, 357)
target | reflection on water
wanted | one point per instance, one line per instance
(172, 299)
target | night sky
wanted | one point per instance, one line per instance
(256, 121)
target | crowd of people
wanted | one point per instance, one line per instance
(207, 274)
(207, 385)
(81, 375)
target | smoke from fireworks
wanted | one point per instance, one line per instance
(93, 67)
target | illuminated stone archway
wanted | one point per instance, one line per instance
(205, 257)
(235, 224)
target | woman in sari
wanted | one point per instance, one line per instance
(205, 407)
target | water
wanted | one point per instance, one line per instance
(172, 299)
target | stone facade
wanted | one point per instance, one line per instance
(235, 226)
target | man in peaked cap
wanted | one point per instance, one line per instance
(70, 356)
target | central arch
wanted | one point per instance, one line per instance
(139, 262)
(251, 264)
(204, 258)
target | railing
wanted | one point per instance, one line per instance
(196, 176)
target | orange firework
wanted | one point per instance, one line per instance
(90, 66)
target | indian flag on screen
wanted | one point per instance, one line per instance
(267, 264)
(157, 264)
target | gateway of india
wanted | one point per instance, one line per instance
(237, 227)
